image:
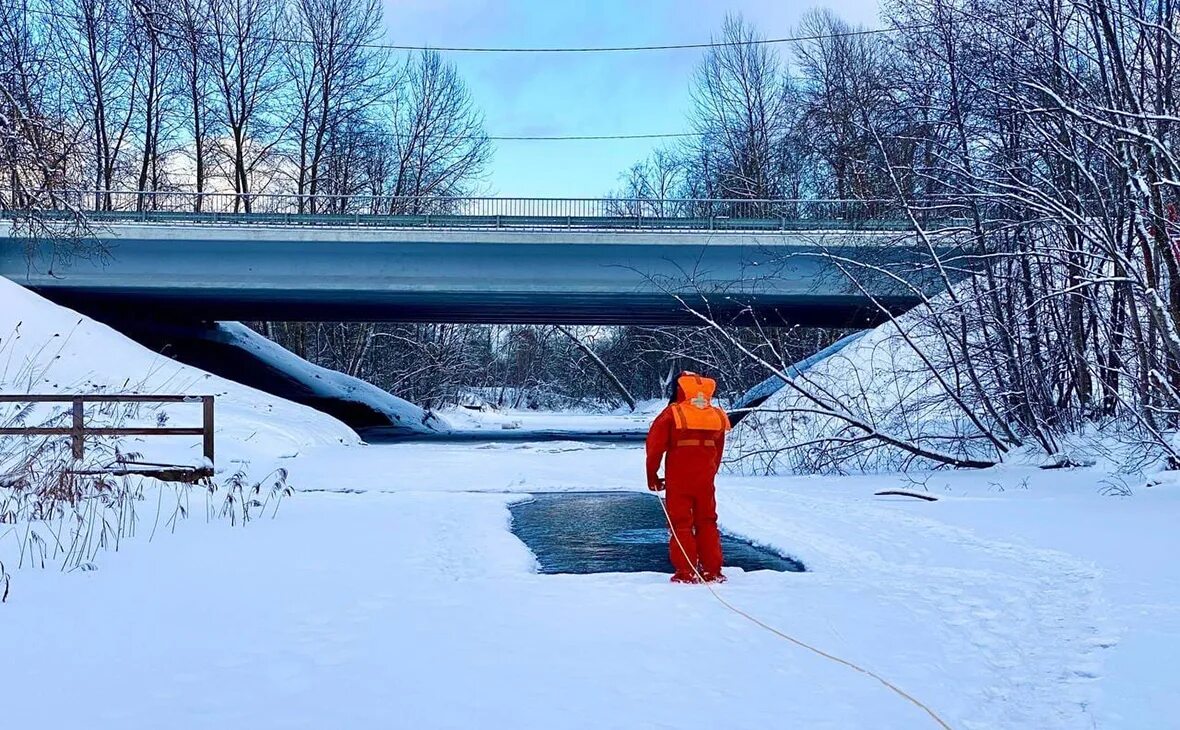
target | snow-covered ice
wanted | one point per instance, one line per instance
(620, 420)
(401, 598)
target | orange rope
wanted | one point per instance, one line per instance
(758, 622)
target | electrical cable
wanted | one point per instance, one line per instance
(543, 49)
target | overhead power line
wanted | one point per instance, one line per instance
(551, 138)
(614, 49)
(518, 50)
(587, 137)
(570, 49)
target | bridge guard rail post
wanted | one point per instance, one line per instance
(526, 213)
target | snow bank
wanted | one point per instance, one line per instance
(329, 390)
(48, 349)
(875, 376)
(759, 394)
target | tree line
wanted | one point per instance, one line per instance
(1039, 141)
(230, 96)
(537, 366)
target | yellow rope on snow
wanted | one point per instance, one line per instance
(802, 644)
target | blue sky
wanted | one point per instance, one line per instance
(574, 94)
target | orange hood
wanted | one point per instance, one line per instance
(695, 389)
(694, 407)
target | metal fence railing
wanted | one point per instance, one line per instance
(693, 213)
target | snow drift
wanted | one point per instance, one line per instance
(48, 349)
(235, 351)
(762, 392)
(877, 378)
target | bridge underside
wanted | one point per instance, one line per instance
(499, 308)
(205, 273)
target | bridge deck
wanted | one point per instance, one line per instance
(467, 273)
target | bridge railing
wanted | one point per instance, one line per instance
(692, 213)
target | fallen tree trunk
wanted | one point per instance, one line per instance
(901, 493)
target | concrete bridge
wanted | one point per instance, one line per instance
(487, 267)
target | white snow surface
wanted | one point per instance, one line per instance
(329, 383)
(774, 383)
(876, 377)
(49, 349)
(390, 592)
(485, 418)
(399, 597)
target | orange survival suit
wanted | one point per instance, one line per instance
(691, 431)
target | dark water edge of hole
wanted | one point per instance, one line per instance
(616, 532)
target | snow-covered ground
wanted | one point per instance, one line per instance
(491, 419)
(400, 598)
(390, 591)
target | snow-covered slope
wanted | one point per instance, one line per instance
(876, 378)
(48, 349)
(328, 390)
(759, 394)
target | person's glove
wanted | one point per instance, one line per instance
(657, 485)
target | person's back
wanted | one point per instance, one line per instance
(689, 435)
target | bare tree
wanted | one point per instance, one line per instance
(351, 166)
(148, 40)
(194, 52)
(843, 96)
(246, 57)
(649, 185)
(336, 78)
(1032, 151)
(438, 144)
(39, 142)
(743, 111)
(92, 36)
(602, 367)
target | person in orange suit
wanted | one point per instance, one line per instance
(689, 436)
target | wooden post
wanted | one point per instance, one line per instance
(76, 436)
(207, 427)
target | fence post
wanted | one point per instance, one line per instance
(76, 437)
(207, 427)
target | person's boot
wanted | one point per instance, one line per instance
(685, 578)
(714, 577)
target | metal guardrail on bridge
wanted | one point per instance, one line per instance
(448, 212)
